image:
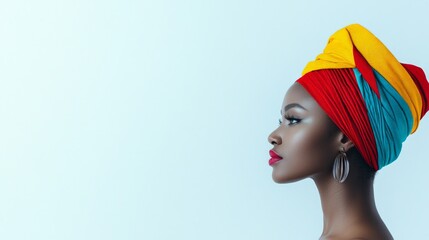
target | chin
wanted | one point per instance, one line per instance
(285, 179)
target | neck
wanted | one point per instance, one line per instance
(346, 205)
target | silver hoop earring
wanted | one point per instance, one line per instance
(341, 167)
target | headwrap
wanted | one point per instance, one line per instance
(375, 100)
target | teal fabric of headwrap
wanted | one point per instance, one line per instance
(390, 117)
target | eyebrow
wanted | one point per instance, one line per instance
(292, 105)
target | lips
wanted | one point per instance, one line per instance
(274, 158)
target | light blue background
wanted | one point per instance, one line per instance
(149, 119)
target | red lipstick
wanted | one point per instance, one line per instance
(274, 158)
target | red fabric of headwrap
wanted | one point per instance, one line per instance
(337, 93)
(419, 78)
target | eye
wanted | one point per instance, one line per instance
(280, 122)
(292, 120)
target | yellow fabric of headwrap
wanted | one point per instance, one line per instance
(338, 53)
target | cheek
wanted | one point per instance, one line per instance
(308, 152)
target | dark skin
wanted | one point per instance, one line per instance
(309, 141)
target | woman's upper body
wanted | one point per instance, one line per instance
(345, 119)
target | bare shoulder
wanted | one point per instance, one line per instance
(340, 238)
(354, 238)
(361, 230)
(359, 238)
(361, 234)
(367, 230)
(371, 236)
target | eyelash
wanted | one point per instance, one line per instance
(290, 118)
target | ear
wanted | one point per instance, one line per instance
(345, 142)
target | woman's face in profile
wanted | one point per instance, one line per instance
(306, 139)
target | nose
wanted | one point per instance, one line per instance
(274, 138)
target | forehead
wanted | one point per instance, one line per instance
(297, 94)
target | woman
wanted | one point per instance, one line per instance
(344, 120)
